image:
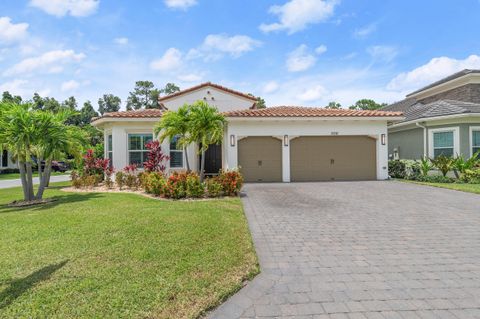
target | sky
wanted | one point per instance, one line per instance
(290, 52)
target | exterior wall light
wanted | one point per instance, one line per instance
(285, 140)
(232, 140)
(383, 139)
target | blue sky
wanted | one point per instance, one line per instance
(291, 52)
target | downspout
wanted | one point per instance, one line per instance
(424, 138)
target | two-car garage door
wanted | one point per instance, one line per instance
(312, 158)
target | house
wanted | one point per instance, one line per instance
(6, 162)
(441, 118)
(274, 144)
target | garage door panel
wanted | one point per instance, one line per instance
(324, 158)
(260, 159)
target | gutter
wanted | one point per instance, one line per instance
(424, 138)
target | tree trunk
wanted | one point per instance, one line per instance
(186, 158)
(202, 167)
(28, 166)
(23, 178)
(457, 175)
(44, 180)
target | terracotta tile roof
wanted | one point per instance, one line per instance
(150, 113)
(220, 87)
(299, 111)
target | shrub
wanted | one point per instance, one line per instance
(214, 187)
(77, 181)
(425, 166)
(396, 169)
(176, 186)
(231, 181)
(155, 158)
(193, 187)
(154, 183)
(120, 179)
(471, 176)
(90, 181)
(443, 163)
(131, 179)
(435, 179)
(460, 164)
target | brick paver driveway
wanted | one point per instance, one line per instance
(361, 250)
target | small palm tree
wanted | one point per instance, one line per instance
(206, 127)
(175, 123)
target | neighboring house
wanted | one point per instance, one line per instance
(441, 118)
(269, 145)
(6, 161)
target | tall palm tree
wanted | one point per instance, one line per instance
(206, 127)
(175, 123)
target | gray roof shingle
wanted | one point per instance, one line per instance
(439, 108)
(444, 80)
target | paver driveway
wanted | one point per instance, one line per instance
(361, 250)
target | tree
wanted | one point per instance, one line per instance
(175, 123)
(30, 133)
(70, 103)
(260, 103)
(8, 98)
(206, 127)
(367, 104)
(144, 96)
(109, 103)
(333, 106)
(38, 102)
(87, 113)
(52, 105)
(170, 88)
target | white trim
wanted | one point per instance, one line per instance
(470, 137)
(311, 119)
(124, 119)
(135, 132)
(456, 139)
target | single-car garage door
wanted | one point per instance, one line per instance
(260, 159)
(326, 158)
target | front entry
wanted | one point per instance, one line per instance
(213, 159)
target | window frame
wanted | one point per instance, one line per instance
(176, 150)
(470, 134)
(109, 148)
(456, 139)
(143, 150)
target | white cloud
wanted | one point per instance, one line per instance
(270, 87)
(434, 70)
(365, 31)
(10, 32)
(15, 86)
(235, 45)
(50, 62)
(180, 4)
(313, 94)
(383, 53)
(295, 15)
(321, 49)
(300, 59)
(121, 41)
(192, 77)
(71, 85)
(171, 60)
(60, 8)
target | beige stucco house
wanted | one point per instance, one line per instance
(276, 144)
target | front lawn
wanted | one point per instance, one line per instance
(17, 175)
(469, 188)
(107, 255)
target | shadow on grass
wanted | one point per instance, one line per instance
(68, 198)
(18, 287)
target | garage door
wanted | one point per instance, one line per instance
(326, 158)
(260, 159)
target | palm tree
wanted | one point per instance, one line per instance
(30, 133)
(175, 123)
(206, 127)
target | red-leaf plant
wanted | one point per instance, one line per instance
(156, 158)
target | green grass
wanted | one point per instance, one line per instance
(17, 175)
(99, 255)
(469, 188)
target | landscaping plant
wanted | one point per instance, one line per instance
(193, 186)
(120, 179)
(155, 158)
(425, 166)
(131, 176)
(231, 181)
(213, 187)
(443, 163)
(460, 164)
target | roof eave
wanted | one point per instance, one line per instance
(434, 118)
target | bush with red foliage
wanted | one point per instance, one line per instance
(155, 158)
(96, 166)
(231, 181)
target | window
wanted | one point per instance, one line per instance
(137, 152)
(176, 153)
(4, 157)
(475, 140)
(110, 149)
(443, 144)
